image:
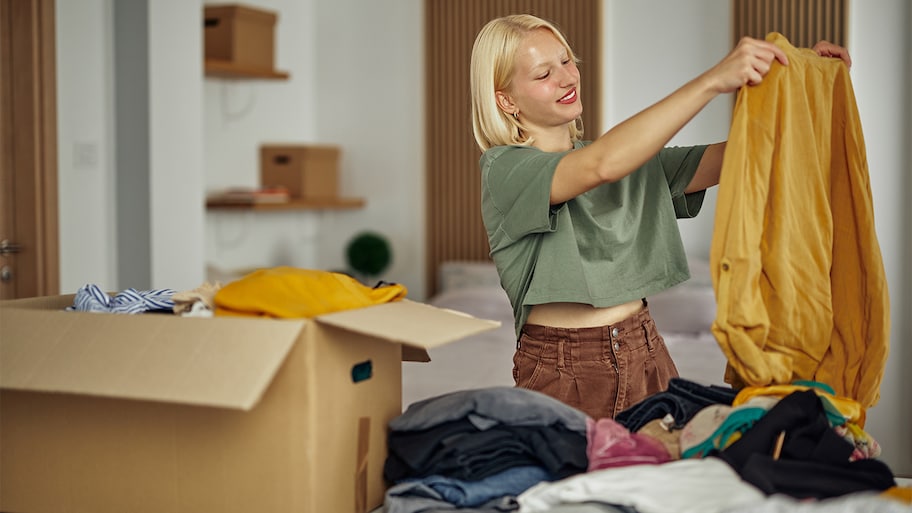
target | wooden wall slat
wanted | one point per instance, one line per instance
(454, 229)
(802, 22)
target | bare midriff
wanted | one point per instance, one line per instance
(579, 315)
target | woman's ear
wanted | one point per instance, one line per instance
(505, 103)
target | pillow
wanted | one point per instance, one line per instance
(461, 274)
(480, 301)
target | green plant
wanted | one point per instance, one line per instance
(368, 254)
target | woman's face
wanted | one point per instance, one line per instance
(544, 89)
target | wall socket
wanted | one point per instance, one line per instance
(85, 155)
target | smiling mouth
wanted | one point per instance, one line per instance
(570, 97)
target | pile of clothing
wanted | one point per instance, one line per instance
(502, 449)
(479, 449)
(281, 292)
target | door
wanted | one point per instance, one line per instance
(29, 262)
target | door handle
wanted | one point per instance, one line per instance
(8, 248)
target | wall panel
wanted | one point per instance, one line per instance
(803, 22)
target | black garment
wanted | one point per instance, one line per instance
(459, 450)
(812, 479)
(409, 451)
(682, 400)
(814, 459)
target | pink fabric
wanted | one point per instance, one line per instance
(612, 445)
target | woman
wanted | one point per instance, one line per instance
(582, 232)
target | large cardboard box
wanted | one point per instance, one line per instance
(158, 413)
(240, 35)
(309, 171)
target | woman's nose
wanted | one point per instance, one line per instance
(568, 76)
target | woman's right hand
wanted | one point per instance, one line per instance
(746, 64)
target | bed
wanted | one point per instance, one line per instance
(683, 315)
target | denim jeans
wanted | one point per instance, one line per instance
(601, 370)
(683, 399)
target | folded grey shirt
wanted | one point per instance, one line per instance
(487, 407)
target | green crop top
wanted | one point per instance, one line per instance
(610, 245)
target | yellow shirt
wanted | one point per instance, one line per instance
(797, 270)
(288, 292)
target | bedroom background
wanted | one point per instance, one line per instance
(133, 103)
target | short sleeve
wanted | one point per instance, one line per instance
(680, 164)
(688, 205)
(516, 189)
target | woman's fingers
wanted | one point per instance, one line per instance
(748, 63)
(828, 49)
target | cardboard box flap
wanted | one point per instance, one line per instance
(415, 325)
(40, 302)
(156, 357)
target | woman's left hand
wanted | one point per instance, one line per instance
(828, 49)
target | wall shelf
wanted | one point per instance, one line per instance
(297, 204)
(228, 69)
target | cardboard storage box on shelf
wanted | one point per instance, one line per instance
(159, 413)
(241, 35)
(308, 171)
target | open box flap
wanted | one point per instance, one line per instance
(417, 326)
(156, 357)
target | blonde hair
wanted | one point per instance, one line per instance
(492, 68)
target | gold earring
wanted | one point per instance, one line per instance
(516, 115)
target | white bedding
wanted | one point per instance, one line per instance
(683, 315)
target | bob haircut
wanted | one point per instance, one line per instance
(492, 69)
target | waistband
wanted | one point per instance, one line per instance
(592, 334)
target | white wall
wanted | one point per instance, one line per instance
(356, 80)
(85, 145)
(671, 49)
(880, 45)
(175, 144)
(371, 94)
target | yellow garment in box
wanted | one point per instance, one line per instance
(289, 292)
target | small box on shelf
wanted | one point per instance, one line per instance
(240, 41)
(309, 172)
